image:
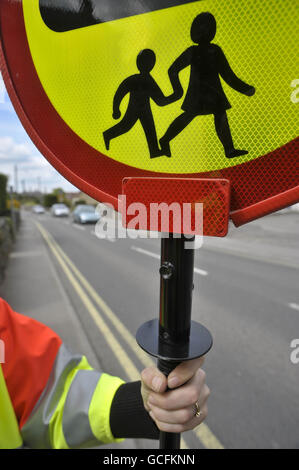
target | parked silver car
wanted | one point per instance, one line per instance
(38, 209)
(85, 214)
(60, 210)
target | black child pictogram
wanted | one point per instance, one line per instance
(141, 88)
(205, 94)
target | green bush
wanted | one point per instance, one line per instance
(6, 241)
(67, 202)
(3, 193)
(80, 201)
(50, 199)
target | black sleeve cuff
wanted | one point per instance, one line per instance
(128, 417)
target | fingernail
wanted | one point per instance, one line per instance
(157, 383)
(173, 382)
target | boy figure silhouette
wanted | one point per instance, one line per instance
(205, 94)
(142, 88)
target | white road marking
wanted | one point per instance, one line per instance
(111, 240)
(293, 306)
(201, 272)
(145, 252)
(155, 255)
(79, 227)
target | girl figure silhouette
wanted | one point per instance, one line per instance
(205, 94)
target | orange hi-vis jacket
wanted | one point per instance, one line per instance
(49, 397)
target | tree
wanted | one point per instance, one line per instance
(50, 199)
(59, 193)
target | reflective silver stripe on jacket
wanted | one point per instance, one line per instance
(76, 426)
(35, 432)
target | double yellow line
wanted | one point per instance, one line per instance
(77, 280)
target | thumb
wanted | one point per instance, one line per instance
(154, 380)
(184, 372)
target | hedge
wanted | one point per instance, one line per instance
(6, 241)
(3, 193)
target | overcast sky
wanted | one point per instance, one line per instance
(16, 148)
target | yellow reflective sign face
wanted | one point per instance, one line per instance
(236, 85)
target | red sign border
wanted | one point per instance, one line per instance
(12, 20)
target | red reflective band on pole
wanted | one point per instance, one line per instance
(173, 205)
(30, 352)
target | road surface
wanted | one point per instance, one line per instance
(250, 304)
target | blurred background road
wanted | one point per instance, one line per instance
(96, 293)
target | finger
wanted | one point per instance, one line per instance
(184, 396)
(184, 372)
(185, 415)
(203, 409)
(173, 417)
(154, 379)
(181, 427)
(204, 395)
(166, 427)
(196, 420)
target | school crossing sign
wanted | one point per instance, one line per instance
(111, 89)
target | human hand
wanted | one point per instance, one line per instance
(116, 114)
(174, 410)
(175, 96)
(178, 92)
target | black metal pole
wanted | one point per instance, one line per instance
(176, 286)
(174, 338)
